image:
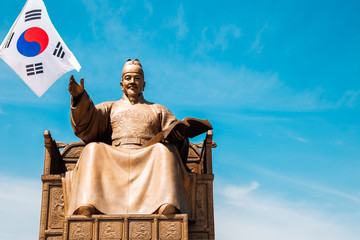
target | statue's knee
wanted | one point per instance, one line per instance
(93, 146)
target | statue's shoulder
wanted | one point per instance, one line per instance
(158, 107)
(106, 105)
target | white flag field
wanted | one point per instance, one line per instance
(34, 49)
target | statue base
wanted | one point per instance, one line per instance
(127, 227)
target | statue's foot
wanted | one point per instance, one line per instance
(86, 210)
(167, 209)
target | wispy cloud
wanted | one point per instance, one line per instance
(254, 215)
(307, 184)
(20, 199)
(226, 32)
(149, 8)
(217, 38)
(349, 99)
(221, 84)
(179, 23)
(103, 13)
(236, 193)
(256, 45)
(300, 139)
(293, 135)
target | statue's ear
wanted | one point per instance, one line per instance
(121, 85)
(144, 86)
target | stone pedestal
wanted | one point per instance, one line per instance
(126, 227)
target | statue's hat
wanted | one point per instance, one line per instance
(132, 66)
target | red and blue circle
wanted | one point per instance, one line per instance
(32, 42)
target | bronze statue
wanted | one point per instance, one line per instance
(115, 174)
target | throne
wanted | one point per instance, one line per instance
(54, 225)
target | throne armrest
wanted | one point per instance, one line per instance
(53, 161)
(200, 155)
(206, 153)
(71, 153)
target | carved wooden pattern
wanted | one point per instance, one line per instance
(70, 166)
(74, 152)
(44, 209)
(80, 231)
(110, 230)
(170, 230)
(201, 205)
(194, 152)
(194, 167)
(140, 230)
(56, 208)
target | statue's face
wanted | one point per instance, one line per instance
(132, 84)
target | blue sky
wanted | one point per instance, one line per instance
(279, 81)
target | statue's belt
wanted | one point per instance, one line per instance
(129, 141)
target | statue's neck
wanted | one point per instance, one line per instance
(134, 100)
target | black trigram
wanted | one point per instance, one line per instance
(33, 69)
(33, 15)
(59, 51)
(9, 41)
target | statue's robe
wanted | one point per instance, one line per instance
(113, 173)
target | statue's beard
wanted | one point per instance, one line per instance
(133, 96)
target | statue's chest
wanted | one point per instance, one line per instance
(134, 121)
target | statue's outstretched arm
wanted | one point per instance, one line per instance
(89, 122)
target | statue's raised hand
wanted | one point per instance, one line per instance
(76, 89)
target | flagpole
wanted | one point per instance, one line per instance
(11, 29)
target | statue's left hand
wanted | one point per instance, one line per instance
(176, 136)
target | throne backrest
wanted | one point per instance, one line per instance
(199, 156)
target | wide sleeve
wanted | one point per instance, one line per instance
(166, 117)
(90, 123)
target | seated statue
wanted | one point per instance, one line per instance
(115, 174)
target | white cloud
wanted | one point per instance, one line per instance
(221, 84)
(149, 8)
(180, 23)
(239, 192)
(20, 201)
(257, 216)
(108, 17)
(256, 46)
(349, 99)
(225, 33)
(213, 38)
(307, 184)
(300, 139)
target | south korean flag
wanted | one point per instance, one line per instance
(34, 49)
